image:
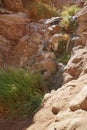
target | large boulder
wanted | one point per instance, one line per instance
(76, 66)
(80, 102)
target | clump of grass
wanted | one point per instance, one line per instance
(21, 91)
(63, 55)
(67, 14)
(64, 58)
(39, 10)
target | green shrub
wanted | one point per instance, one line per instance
(21, 91)
(67, 22)
(69, 10)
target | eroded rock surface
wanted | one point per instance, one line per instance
(13, 5)
(33, 45)
(66, 108)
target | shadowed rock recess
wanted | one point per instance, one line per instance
(61, 57)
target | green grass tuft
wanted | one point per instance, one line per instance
(21, 91)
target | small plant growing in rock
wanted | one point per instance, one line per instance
(64, 58)
(68, 23)
(63, 55)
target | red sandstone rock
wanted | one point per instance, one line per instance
(13, 5)
(13, 26)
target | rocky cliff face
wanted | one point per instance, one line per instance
(35, 45)
(29, 43)
(66, 108)
(18, 5)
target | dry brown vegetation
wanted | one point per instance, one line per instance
(40, 9)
